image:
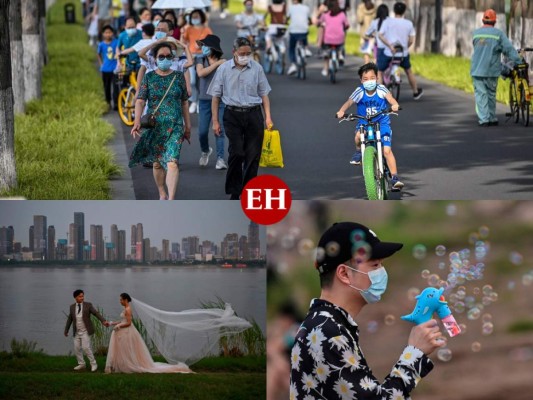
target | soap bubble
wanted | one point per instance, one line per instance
(473, 313)
(476, 347)
(288, 242)
(493, 297)
(412, 293)
(442, 265)
(444, 355)
(463, 328)
(516, 258)
(473, 238)
(390, 319)
(451, 209)
(419, 251)
(320, 253)
(476, 291)
(487, 290)
(527, 279)
(362, 250)
(470, 301)
(486, 301)
(305, 247)
(512, 284)
(357, 236)
(433, 280)
(372, 326)
(425, 273)
(487, 328)
(272, 236)
(295, 231)
(461, 293)
(459, 307)
(332, 249)
(484, 232)
(440, 250)
(486, 318)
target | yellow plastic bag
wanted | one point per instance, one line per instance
(271, 155)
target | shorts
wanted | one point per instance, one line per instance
(386, 133)
(384, 61)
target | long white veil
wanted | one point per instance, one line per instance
(190, 335)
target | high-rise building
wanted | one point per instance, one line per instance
(165, 255)
(139, 250)
(207, 248)
(184, 248)
(62, 249)
(109, 251)
(133, 241)
(31, 238)
(39, 237)
(145, 250)
(114, 240)
(79, 235)
(154, 254)
(51, 247)
(190, 246)
(176, 251)
(254, 245)
(230, 246)
(121, 245)
(7, 236)
(244, 254)
(97, 243)
(71, 240)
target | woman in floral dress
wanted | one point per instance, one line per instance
(161, 145)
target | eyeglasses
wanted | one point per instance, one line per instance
(162, 57)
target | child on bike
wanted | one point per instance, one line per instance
(372, 98)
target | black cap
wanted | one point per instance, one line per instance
(211, 41)
(346, 240)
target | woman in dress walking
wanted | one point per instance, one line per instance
(166, 94)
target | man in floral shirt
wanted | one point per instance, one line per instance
(326, 360)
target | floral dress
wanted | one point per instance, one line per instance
(327, 362)
(161, 144)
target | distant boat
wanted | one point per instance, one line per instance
(226, 265)
(241, 265)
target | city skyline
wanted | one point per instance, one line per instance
(170, 221)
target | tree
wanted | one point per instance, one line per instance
(32, 44)
(42, 31)
(8, 174)
(17, 53)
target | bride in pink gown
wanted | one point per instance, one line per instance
(127, 351)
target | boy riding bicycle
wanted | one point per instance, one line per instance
(371, 98)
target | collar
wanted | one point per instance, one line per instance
(319, 303)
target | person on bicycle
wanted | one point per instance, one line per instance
(129, 37)
(489, 44)
(372, 98)
(300, 18)
(372, 32)
(249, 22)
(399, 31)
(278, 20)
(335, 24)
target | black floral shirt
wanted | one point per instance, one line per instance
(327, 362)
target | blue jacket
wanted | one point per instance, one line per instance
(489, 44)
(126, 41)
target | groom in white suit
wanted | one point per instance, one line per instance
(80, 314)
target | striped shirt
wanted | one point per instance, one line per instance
(239, 87)
(369, 105)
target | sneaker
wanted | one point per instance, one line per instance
(192, 107)
(204, 160)
(418, 94)
(94, 367)
(222, 15)
(221, 164)
(308, 53)
(292, 69)
(356, 158)
(396, 183)
(324, 72)
(79, 367)
(493, 123)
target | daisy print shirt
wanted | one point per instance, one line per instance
(327, 362)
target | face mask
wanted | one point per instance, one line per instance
(243, 60)
(196, 21)
(206, 50)
(249, 8)
(144, 22)
(164, 65)
(378, 284)
(188, 18)
(160, 35)
(131, 31)
(156, 23)
(370, 85)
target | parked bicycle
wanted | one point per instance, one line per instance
(275, 56)
(126, 96)
(392, 78)
(376, 173)
(519, 90)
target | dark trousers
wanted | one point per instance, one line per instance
(110, 85)
(245, 131)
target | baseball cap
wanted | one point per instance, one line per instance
(344, 240)
(489, 15)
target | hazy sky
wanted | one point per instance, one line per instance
(209, 220)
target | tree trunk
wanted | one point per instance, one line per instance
(17, 64)
(458, 22)
(42, 31)
(425, 26)
(8, 173)
(31, 42)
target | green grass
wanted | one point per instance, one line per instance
(521, 326)
(53, 377)
(60, 143)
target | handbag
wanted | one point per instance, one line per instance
(148, 119)
(271, 154)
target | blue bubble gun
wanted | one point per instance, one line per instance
(431, 300)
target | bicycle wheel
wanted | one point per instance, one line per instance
(126, 106)
(280, 64)
(513, 101)
(331, 69)
(267, 63)
(300, 62)
(395, 90)
(373, 185)
(524, 105)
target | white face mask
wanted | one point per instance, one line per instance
(378, 285)
(243, 60)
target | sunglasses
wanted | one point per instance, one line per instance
(162, 57)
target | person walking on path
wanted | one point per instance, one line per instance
(489, 44)
(326, 360)
(206, 66)
(241, 84)
(165, 91)
(366, 13)
(108, 64)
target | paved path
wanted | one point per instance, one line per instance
(441, 152)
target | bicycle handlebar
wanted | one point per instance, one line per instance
(526, 49)
(368, 118)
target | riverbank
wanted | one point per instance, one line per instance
(51, 377)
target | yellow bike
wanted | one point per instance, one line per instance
(519, 91)
(126, 96)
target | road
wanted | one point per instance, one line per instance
(441, 152)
